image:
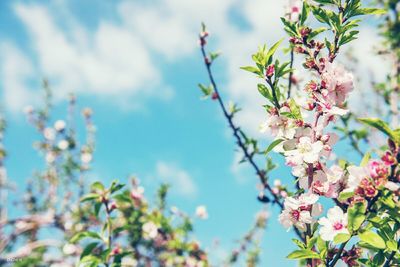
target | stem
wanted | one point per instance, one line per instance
(236, 133)
(338, 255)
(291, 73)
(391, 256)
(277, 105)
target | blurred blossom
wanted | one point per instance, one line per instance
(201, 212)
(129, 262)
(49, 133)
(50, 157)
(59, 125)
(150, 230)
(69, 249)
(86, 157)
(63, 144)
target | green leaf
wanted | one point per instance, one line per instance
(322, 15)
(304, 13)
(381, 126)
(316, 32)
(324, 1)
(365, 159)
(214, 55)
(341, 238)
(370, 11)
(78, 236)
(206, 90)
(372, 239)
(88, 249)
(264, 91)
(321, 244)
(379, 258)
(356, 216)
(391, 245)
(303, 254)
(251, 69)
(88, 197)
(273, 49)
(97, 186)
(273, 145)
(115, 186)
(295, 109)
(299, 243)
(345, 195)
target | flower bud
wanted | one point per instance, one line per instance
(270, 70)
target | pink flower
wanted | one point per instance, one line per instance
(377, 169)
(338, 84)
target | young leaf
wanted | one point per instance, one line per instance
(365, 159)
(97, 186)
(381, 126)
(273, 49)
(304, 13)
(372, 239)
(264, 91)
(251, 69)
(341, 238)
(345, 195)
(303, 254)
(90, 196)
(356, 216)
(273, 145)
(87, 234)
(370, 11)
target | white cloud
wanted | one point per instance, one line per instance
(115, 60)
(15, 69)
(182, 183)
(111, 62)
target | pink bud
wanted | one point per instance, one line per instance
(325, 138)
(270, 70)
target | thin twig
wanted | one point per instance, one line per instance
(291, 73)
(236, 133)
(391, 256)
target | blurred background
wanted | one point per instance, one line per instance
(137, 65)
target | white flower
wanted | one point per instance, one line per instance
(150, 230)
(335, 223)
(49, 133)
(137, 193)
(334, 174)
(59, 125)
(294, 9)
(50, 157)
(86, 157)
(63, 144)
(201, 212)
(306, 151)
(299, 211)
(277, 183)
(129, 262)
(69, 249)
(392, 186)
(356, 175)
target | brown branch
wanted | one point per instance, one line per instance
(236, 133)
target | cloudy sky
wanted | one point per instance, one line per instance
(137, 64)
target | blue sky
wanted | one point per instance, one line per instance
(137, 64)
